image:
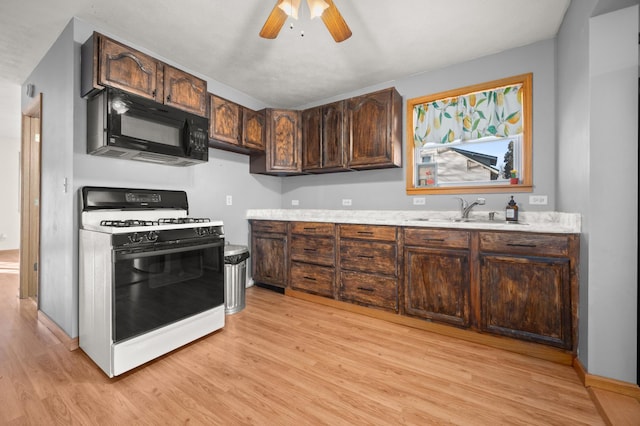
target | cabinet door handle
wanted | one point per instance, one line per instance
(168, 98)
(369, 289)
(309, 278)
(153, 93)
(521, 245)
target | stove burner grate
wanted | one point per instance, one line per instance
(181, 220)
(127, 223)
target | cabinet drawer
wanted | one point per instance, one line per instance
(368, 257)
(269, 226)
(367, 232)
(436, 238)
(313, 228)
(312, 278)
(320, 250)
(524, 243)
(369, 289)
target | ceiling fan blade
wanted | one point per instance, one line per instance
(335, 23)
(274, 22)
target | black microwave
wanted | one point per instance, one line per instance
(126, 126)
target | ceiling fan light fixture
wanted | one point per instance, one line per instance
(290, 7)
(317, 7)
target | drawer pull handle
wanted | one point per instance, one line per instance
(365, 232)
(364, 256)
(308, 249)
(437, 240)
(309, 229)
(309, 278)
(366, 289)
(521, 245)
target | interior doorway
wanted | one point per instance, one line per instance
(30, 199)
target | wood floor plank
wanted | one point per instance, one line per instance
(285, 361)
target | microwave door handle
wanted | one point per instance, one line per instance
(120, 256)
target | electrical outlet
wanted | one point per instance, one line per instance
(538, 199)
(229, 200)
(346, 201)
(295, 202)
(419, 201)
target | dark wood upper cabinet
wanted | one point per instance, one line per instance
(312, 139)
(375, 130)
(283, 147)
(225, 121)
(235, 128)
(184, 91)
(253, 128)
(323, 139)
(106, 62)
(124, 68)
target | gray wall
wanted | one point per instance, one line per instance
(598, 68)
(613, 280)
(385, 189)
(9, 170)
(55, 77)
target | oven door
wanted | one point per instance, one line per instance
(162, 285)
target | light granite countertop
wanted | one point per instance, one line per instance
(547, 222)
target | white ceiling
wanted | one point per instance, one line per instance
(219, 39)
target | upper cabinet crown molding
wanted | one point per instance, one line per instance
(106, 62)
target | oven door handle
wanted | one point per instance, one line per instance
(137, 255)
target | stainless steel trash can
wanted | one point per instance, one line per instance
(235, 277)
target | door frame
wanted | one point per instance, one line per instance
(30, 173)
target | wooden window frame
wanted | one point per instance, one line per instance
(526, 175)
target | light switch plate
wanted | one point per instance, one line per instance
(419, 201)
(229, 200)
(295, 202)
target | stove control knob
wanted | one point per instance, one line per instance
(135, 238)
(152, 236)
(202, 232)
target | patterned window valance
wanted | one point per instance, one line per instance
(496, 112)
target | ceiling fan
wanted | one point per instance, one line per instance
(325, 9)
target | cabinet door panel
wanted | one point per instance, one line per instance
(374, 130)
(527, 297)
(369, 289)
(127, 69)
(312, 139)
(269, 259)
(333, 136)
(313, 278)
(253, 129)
(224, 123)
(185, 91)
(283, 142)
(437, 285)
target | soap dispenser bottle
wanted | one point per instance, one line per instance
(511, 212)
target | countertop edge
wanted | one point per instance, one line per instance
(543, 222)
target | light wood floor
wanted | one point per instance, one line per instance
(284, 361)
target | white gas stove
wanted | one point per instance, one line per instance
(151, 277)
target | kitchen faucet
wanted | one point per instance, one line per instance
(465, 207)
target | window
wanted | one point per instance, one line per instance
(473, 139)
